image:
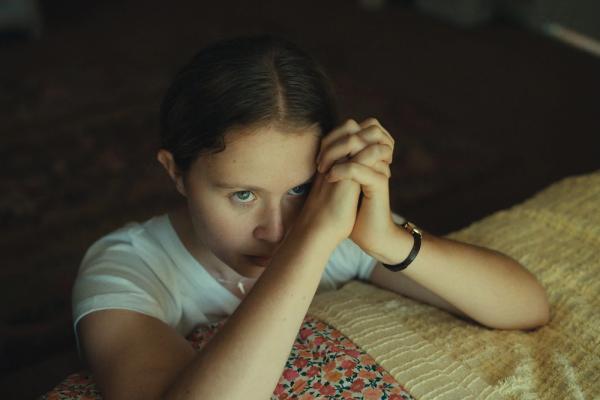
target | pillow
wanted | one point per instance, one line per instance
(322, 363)
(555, 235)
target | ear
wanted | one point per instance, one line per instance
(166, 159)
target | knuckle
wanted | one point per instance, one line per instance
(373, 132)
(354, 140)
(338, 168)
(372, 129)
(382, 150)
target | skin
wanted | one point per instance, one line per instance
(222, 226)
(136, 356)
(470, 281)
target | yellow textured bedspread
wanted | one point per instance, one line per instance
(556, 235)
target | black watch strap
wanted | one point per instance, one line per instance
(416, 234)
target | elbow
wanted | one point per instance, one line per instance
(524, 320)
(537, 308)
(540, 310)
(533, 308)
(532, 312)
(535, 318)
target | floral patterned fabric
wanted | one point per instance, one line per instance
(323, 363)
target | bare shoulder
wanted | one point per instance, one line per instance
(132, 355)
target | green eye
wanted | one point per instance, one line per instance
(243, 196)
(247, 197)
(300, 190)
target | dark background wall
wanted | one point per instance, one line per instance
(483, 118)
(582, 16)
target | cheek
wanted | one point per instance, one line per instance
(218, 226)
(224, 230)
(292, 211)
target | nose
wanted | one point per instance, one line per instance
(271, 227)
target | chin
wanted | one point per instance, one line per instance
(254, 272)
(246, 267)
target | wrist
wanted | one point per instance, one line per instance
(406, 244)
(309, 233)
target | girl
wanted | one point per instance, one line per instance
(274, 187)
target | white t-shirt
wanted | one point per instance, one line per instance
(146, 268)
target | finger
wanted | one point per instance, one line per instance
(371, 181)
(374, 121)
(383, 168)
(341, 150)
(349, 145)
(374, 153)
(347, 128)
(350, 127)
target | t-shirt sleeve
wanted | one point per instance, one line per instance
(348, 261)
(113, 275)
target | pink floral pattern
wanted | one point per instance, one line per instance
(323, 363)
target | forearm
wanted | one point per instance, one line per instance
(487, 286)
(246, 358)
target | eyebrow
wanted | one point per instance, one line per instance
(225, 185)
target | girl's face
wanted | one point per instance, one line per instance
(243, 201)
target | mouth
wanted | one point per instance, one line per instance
(262, 261)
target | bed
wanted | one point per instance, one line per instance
(362, 341)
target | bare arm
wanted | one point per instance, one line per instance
(482, 284)
(131, 355)
(402, 284)
(138, 357)
(246, 358)
(134, 356)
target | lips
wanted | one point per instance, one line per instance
(262, 261)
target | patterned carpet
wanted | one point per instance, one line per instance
(482, 118)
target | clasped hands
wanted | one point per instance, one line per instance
(362, 153)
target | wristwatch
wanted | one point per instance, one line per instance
(417, 235)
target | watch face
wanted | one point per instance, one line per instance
(409, 226)
(412, 228)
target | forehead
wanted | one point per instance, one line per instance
(264, 156)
